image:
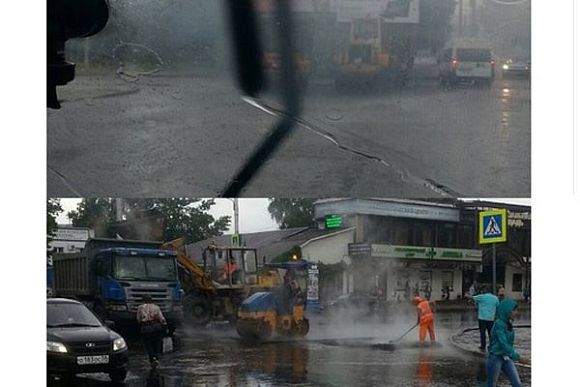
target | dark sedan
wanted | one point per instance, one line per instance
(78, 342)
(516, 68)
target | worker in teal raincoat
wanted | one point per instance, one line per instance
(502, 355)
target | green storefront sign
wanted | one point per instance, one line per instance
(430, 253)
(333, 221)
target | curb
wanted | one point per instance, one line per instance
(466, 348)
(482, 355)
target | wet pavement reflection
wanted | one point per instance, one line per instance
(328, 357)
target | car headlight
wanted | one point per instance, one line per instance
(53, 346)
(119, 344)
(506, 67)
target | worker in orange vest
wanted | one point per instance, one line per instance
(425, 319)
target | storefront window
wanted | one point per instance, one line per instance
(425, 279)
(466, 236)
(447, 280)
(447, 235)
(423, 234)
(403, 234)
(517, 282)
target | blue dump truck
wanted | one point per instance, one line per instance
(49, 276)
(112, 277)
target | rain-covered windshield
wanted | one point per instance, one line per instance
(473, 55)
(70, 315)
(145, 268)
(156, 106)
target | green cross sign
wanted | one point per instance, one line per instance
(431, 253)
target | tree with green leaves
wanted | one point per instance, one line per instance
(95, 213)
(289, 213)
(435, 23)
(53, 208)
(182, 217)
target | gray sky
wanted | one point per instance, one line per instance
(254, 215)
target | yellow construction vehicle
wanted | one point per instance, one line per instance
(281, 310)
(372, 51)
(229, 275)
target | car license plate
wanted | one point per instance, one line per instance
(86, 360)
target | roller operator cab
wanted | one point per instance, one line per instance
(466, 61)
(215, 286)
(279, 311)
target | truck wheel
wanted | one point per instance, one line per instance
(197, 310)
(118, 376)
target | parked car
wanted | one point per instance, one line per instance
(466, 61)
(516, 68)
(78, 342)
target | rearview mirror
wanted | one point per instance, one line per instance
(110, 324)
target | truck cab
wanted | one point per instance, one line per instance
(125, 275)
(113, 276)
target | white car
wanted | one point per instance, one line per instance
(466, 63)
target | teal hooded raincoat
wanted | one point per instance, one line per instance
(502, 333)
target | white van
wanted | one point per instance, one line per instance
(466, 61)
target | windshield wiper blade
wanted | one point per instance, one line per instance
(72, 325)
(284, 127)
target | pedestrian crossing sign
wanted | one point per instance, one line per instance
(492, 226)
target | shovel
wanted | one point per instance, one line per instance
(390, 346)
(403, 335)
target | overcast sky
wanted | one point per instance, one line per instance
(254, 215)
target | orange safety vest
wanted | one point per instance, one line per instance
(426, 312)
(231, 267)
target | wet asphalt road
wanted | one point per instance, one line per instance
(342, 354)
(173, 135)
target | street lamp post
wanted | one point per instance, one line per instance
(236, 217)
(236, 220)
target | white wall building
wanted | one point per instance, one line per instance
(332, 249)
(69, 239)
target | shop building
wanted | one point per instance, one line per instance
(404, 248)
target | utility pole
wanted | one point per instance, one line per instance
(460, 22)
(236, 217)
(474, 22)
(494, 269)
(236, 238)
(119, 209)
